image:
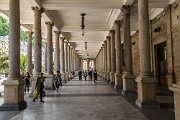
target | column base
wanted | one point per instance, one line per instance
(118, 81)
(67, 76)
(176, 89)
(105, 77)
(63, 76)
(13, 106)
(13, 95)
(48, 80)
(147, 104)
(112, 83)
(117, 87)
(146, 93)
(128, 83)
(108, 77)
(129, 92)
(112, 79)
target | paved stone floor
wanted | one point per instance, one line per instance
(85, 100)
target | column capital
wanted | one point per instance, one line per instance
(37, 10)
(107, 37)
(62, 38)
(57, 32)
(49, 23)
(118, 23)
(105, 42)
(112, 31)
(29, 33)
(126, 9)
(66, 42)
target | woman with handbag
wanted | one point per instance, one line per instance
(40, 86)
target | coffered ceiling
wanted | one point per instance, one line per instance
(99, 18)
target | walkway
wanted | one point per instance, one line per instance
(84, 100)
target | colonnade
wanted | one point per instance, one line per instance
(108, 61)
(65, 57)
(110, 57)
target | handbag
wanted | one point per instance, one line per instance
(35, 94)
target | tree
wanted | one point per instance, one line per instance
(4, 27)
(4, 66)
(23, 64)
(23, 36)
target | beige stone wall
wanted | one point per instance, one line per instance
(135, 54)
(176, 44)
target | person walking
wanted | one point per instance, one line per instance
(27, 83)
(40, 86)
(95, 76)
(54, 82)
(85, 75)
(72, 73)
(59, 79)
(90, 75)
(80, 75)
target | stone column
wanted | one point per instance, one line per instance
(113, 59)
(74, 61)
(128, 77)
(94, 62)
(66, 59)
(70, 57)
(57, 52)
(102, 61)
(176, 87)
(29, 51)
(49, 74)
(108, 58)
(105, 62)
(118, 74)
(145, 82)
(45, 58)
(69, 62)
(37, 46)
(14, 85)
(62, 61)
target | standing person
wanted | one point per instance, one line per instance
(59, 80)
(85, 75)
(90, 74)
(80, 74)
(27, 83)
(54, 82)
(40, 86)
(95, 76)
(72, 74)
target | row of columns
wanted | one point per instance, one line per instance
(112, 58)
(65, 56)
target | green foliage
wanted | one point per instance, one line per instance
(23, 63)
(4, 66)
(4, 27)
(23, 36)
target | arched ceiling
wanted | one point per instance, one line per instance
(99, 18)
